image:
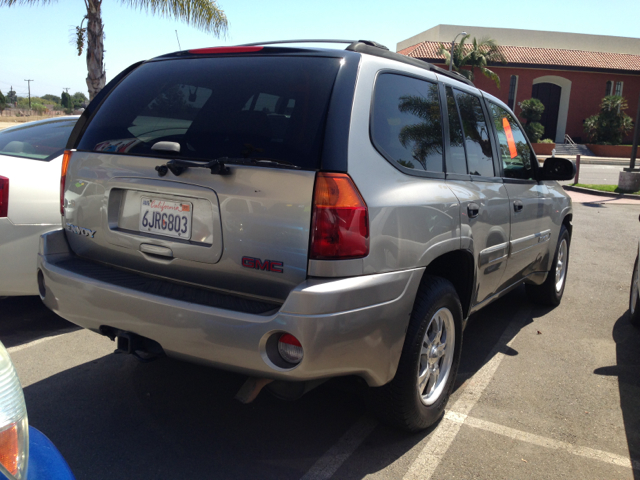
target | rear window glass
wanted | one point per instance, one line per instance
(405, 125)
(238, 107)
(38, 140)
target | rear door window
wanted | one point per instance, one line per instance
(406, 125)
(254, 107)
(476, 135)
(37, 141)
(515, 153)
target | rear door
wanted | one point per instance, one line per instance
(530, 233)
(245, 231)
(471, 175)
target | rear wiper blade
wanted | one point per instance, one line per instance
(264, 161)
(177, 166)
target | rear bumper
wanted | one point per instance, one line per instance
(349, 326)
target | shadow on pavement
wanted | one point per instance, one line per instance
(627, 369)
(168, 419)
(25, 319)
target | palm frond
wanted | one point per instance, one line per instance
(202, 14)
(11, 3)
(491, 74)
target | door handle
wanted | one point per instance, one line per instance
(517, 206)
(473, 210)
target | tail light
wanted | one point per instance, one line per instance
(4, 197)
(63, 177)
(290, 349)
(340, 220)
(14, 425)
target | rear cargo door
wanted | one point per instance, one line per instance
(245, 230)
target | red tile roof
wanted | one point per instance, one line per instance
(541, 56)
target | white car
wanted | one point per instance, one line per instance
(30, 162)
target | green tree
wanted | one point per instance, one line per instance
(611, 125)
(3, 102)
(12, 97)
(532, 110)
(202, 14)
(79, 99)
(51, 98)
(65, 100)
(477, 54)
(38, 108)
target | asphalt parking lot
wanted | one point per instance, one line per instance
(541, 393)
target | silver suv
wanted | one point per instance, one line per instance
(298, 214)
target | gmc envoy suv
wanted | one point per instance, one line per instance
(297, 214)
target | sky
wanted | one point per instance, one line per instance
(36, 42)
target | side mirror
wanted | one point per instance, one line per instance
(558, 169)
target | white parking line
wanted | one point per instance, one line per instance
(331, 461)
(441, 439)
(607, 457)
(31, 344)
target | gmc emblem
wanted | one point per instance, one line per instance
(268, 265)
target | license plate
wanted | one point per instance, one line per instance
(161, 217)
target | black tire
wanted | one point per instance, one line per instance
(548, 293)
(399, 403)
(634, 299)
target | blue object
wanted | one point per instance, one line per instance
(45, 461)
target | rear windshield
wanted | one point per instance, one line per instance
(238, 107)
(38, 140)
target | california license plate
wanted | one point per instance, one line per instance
(161, 217)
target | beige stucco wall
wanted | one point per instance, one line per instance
(529, 38)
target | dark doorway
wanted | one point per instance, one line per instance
(549, 95)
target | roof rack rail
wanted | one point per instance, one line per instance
(373, 48)
(320, 40)
(363, 47)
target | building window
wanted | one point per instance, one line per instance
(513, 87)
(618, 88)
(609, 89)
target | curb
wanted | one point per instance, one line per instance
(600, 193)
(594, 161)
(621, 163)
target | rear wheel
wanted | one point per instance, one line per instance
(551, 291)
(634, 297)
(416, 397)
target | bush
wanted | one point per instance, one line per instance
(611, 125)
(546, 140)
(532, 110)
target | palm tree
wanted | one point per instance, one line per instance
(202, 14)
(478, 54)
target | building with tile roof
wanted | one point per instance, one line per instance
(569, 73)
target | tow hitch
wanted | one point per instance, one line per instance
(144, 349)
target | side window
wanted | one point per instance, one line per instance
(456, 162)
(476, 135)
(515, 152)
(406, 125)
